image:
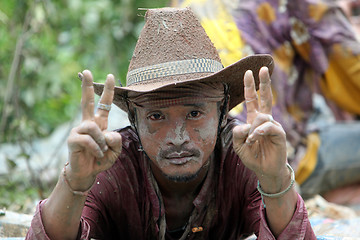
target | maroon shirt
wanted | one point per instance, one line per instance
(125, 202)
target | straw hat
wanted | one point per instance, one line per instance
(173, 49)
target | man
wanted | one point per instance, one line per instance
(316, 57)
(182, 170)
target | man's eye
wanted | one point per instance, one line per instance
(194, 114)
(155, 116)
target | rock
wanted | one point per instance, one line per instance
(14, 224)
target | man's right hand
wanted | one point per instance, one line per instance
(92, 149)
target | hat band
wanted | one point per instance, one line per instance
(198, 65)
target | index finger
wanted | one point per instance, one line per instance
(265, 91)
(87, 96)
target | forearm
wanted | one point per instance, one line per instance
(92, 150)
(62, 212)
(279, 209)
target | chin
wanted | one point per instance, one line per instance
(182, 178)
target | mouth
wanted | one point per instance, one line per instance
(181, 158)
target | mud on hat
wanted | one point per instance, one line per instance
(173, 49)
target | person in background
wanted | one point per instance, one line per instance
(317, 72)
(183, 169)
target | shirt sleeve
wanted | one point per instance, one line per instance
(298, 228)
(37, 230)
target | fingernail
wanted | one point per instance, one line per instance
(80, 76)
(100, 154)
(105, 148)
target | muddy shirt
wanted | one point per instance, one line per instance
(125, 203)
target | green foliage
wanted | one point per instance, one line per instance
(20, 195)
(17, 200)
(44, 44)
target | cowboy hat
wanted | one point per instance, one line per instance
(174, 50)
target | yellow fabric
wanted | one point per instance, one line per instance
(342, 79)
(284, 56)
(308, 163)
(236, 110)
(266, 12)
(296, 112)
(220, 27)
(317, 11)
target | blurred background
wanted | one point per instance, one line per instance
(43, 45)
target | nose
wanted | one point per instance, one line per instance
(178, 135)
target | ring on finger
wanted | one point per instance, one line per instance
(103, 106)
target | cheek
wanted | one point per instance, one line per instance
(207, 133)
(144, 131)
(148, 140)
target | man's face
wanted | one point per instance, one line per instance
(180, 139)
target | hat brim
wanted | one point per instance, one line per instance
(232, 75)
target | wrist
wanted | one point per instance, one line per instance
(275, 187)
(76, 185)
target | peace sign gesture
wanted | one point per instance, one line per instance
(261, 142)
(92, 149)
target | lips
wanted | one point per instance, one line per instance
(179, 158)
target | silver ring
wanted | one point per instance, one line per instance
(105, 107)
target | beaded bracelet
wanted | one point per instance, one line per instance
(79, 193)
(277, 195)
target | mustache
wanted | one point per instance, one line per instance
(179, 152)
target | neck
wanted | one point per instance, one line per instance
(179, 189)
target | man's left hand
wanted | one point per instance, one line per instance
(261, 142)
